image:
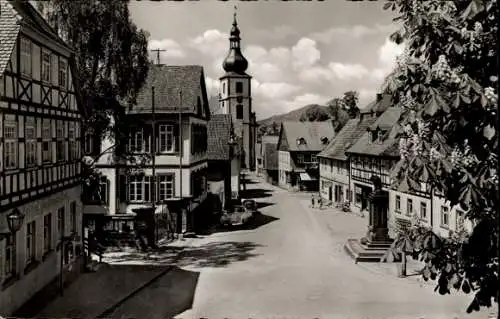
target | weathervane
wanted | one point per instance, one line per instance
(234, 14)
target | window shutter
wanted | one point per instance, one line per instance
(123, 188)
(176, 135)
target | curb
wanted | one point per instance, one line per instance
(106, 313)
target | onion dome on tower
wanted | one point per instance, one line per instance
(235, 61)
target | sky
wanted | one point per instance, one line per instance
(299, 52)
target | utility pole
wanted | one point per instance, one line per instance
(158, 54)
(180, 161)
(153, 158)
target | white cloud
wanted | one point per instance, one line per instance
(355, 31)
(212, 86)
(212, 42)
(287, 77)
(173, 49)
(348, 71)
(305, 53)
(388, 52)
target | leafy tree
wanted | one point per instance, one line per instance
(315, 113)
(444, 81)
(350, 103)
(275, 129)
(112, 63)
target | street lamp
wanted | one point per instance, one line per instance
(15, 220)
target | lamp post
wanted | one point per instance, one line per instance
(15, 221)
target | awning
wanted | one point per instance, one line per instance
(306, 177)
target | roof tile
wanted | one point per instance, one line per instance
(219, 132)
(312, 132)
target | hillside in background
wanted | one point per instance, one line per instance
(312, 112)
(294, 115)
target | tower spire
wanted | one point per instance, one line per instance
(235, 61)
(235, 23)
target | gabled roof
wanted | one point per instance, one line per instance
(271, 156)
(9, 29)
(311, 133)
(169, 82)
(219, 131)
(348, 135)
(213, 103)
(388, 147)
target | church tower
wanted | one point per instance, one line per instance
(235, 96)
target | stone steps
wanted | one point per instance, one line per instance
(371, 252)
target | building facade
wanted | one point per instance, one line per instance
(298, 146)
(235, 98)
(40, 123)
(162, 181)
(223, 161)
(267, 158)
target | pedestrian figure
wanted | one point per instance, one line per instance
(312, 201)
(320, 202)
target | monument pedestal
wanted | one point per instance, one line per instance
(377, 241)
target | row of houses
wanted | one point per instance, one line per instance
(339, 165)
(177, 153)
(368, 146)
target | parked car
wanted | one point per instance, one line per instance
(251, 206)
(237, 217)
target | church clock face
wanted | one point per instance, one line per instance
(239, 99)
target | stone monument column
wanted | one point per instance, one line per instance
(378, 205)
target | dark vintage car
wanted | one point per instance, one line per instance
(237, 217)
(251, 206)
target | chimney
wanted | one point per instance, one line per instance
(379, 97)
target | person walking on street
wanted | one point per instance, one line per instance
(312, 200)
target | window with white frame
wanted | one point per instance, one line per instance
(30, 141)
(46, 62)
(139, 188)
(409, 207)
(10, 144)
(139, 143)
(10, 256)
(165, 187)
(167, 138)
(314, 159)
(47, 233)
(46, 141)
(423, 210)
(63, 71)
(25, 56)
(398, 204)
(445, 216)
(30, 242)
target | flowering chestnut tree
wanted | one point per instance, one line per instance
(446, 81)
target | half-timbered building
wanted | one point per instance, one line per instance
(165, 193)
(298, 145)
(40, 124)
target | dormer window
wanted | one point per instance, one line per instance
(301, 141)
(373, 136)
(324, 140)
